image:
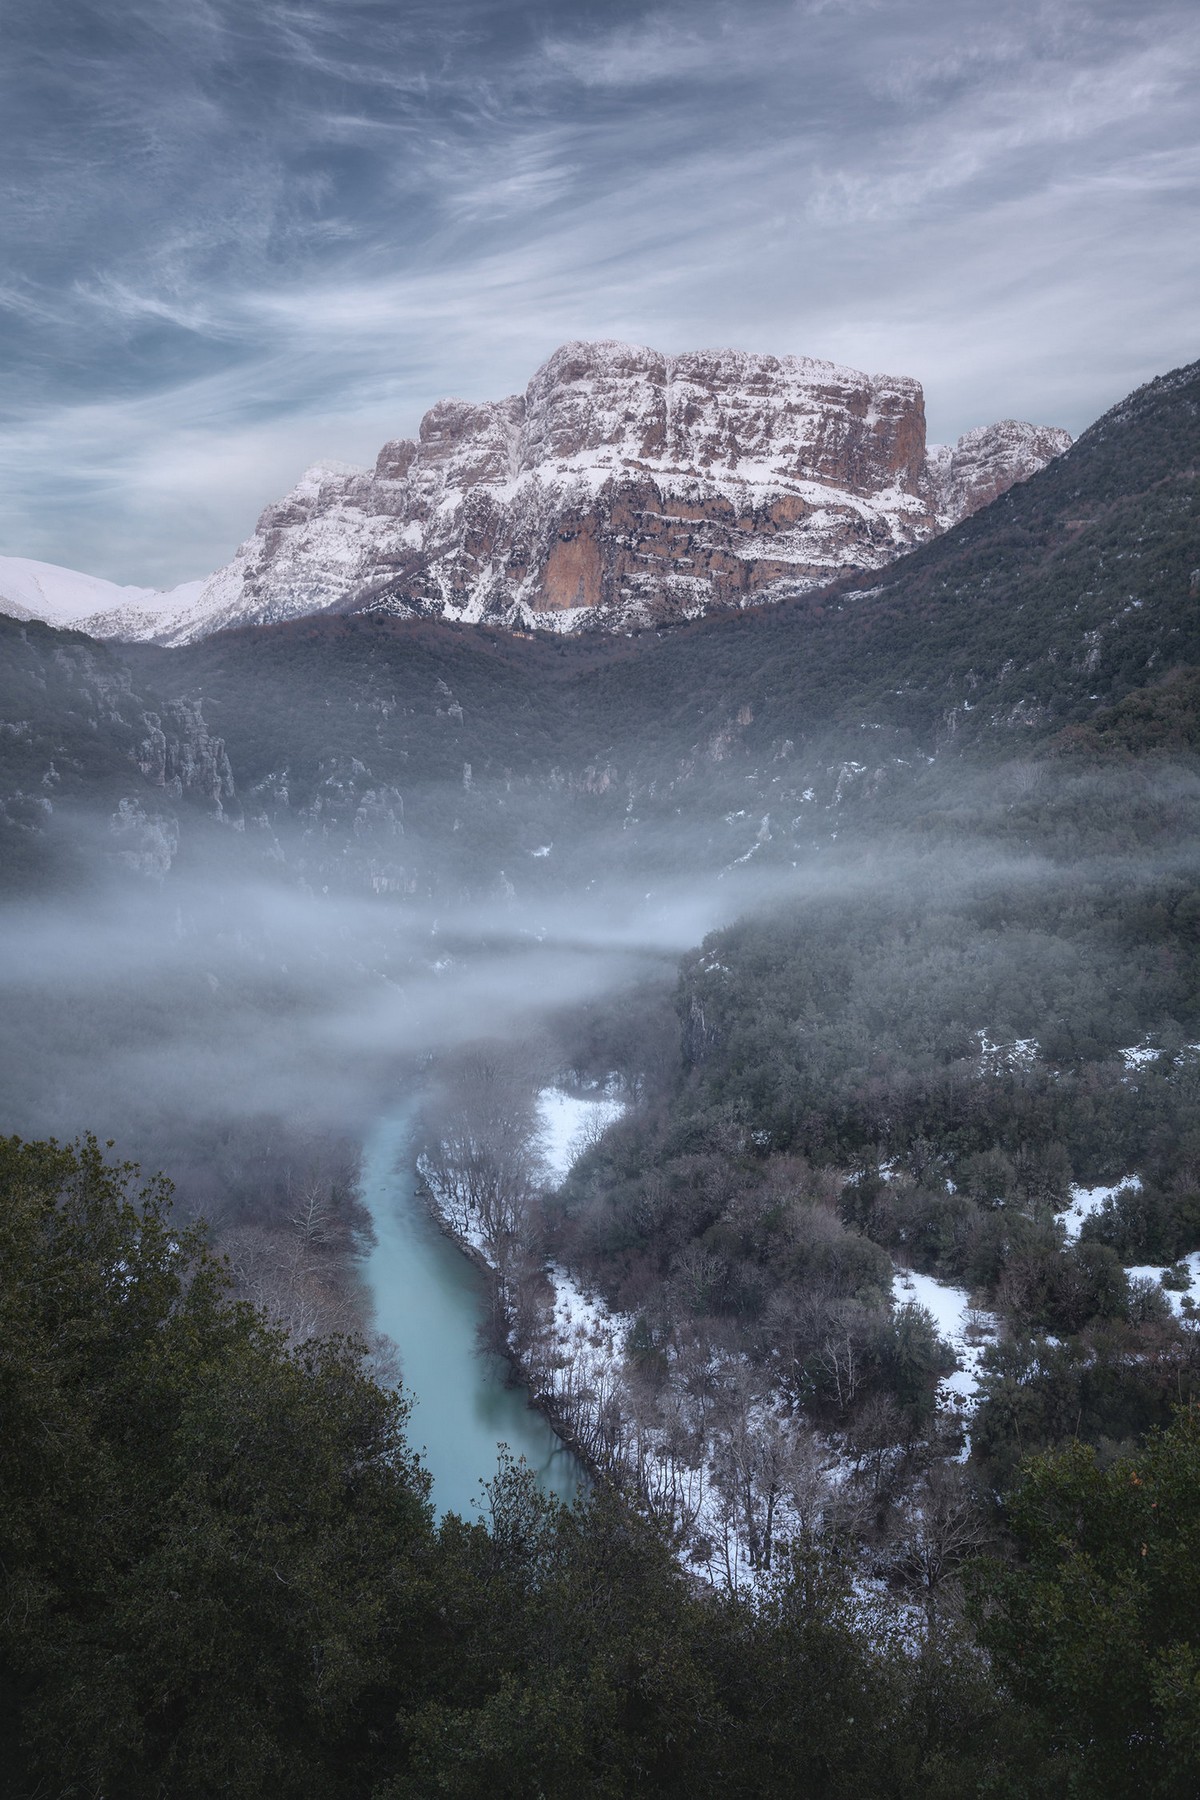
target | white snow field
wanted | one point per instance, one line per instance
(567, 1122)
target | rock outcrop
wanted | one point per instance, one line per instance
(987, 461)
(180, 755)
(623, 487)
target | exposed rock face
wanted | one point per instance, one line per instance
(184, 757)
(623, 487)
(986, 461)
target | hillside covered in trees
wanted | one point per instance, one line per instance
(220, 1574)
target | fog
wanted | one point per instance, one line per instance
(148, 1011)
(139, 1011)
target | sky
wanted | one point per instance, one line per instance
(243, 236)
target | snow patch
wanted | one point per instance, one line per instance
(1004, 1059)
(1086, 1201)
(1138, 1055)
(567, 1124)
(964, 1327)
(1183, 1301)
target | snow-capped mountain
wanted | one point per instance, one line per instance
(987, 461)
(67, 598)
(623, 487)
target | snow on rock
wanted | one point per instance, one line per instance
(985, 462)
(566, 1124)
(622, 487)
(1085, 1201)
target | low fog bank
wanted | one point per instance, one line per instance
(170, 1015)
(235, 1031)
(146, 1015)
(240, 1019)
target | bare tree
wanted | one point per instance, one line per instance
(479, 1153)
(750, 1459)
(945, 1529)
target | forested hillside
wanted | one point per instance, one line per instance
(220, 1575)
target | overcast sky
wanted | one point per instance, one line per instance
(244, 235)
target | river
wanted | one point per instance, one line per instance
(429, 1299)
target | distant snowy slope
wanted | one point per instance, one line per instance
(66, 598)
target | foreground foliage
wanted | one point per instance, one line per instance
(221, 1575)
(1096, 1629)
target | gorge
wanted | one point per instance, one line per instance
(876, 907)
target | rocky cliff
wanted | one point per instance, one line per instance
(623, 487)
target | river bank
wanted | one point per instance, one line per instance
(429, 1300)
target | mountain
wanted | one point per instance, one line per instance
(67, 598)
(624, 487)
(375, 751)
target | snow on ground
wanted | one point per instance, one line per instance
(1085, 1201)
(461, 1220)
(579, 1360)
(1176, 1296)
(967, 1330)
(566, 1124)
(1138, 1055)
(580, 1315)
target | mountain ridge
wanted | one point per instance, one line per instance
(71, 600)
(623, 488)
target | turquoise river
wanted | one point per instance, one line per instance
(429, 1299)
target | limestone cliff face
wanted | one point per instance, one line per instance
(985, 462)
(624, 487)
(180, 755)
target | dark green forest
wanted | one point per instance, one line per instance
(831, 1107)
(221, 1575)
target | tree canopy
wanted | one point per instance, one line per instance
(220, 1575)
